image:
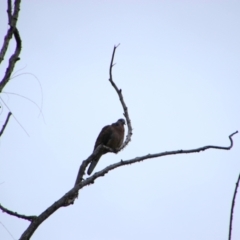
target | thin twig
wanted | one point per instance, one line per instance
(29, 218)
(5, 124)
(7, 231)
(64, 199)
(14, 117)
(39, 83)
(232, 208)
(125, 109)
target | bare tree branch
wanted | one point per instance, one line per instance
(12, 18)
(232, 208)
(85, 163)
(128, 138)
(148, 156)
(12, 61)
(64, 200)
(125, 109)
(69, 197)
(5, 124)
(29, 218)
(12, 21)
(9, 12)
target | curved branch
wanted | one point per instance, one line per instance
(128, 138)
(148, 156)
(232, 208)
(29, 218)
(125, 109)
(5, 124)
(64, 200)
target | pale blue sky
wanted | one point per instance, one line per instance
(178, 66)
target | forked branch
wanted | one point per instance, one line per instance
(156, 155)
(90, 180)
(12, 18)
(85, 164)
(69, 197)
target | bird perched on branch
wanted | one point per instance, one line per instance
(111, 136)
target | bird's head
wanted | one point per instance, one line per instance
(121, 121)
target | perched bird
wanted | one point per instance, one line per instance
(111, 136)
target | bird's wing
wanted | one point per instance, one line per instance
(117, 137)
(104, 136)
(111, 136)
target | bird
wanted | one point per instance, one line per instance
(111, 136)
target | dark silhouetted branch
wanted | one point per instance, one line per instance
(148, 156)
(29, 218)
(12, 21)
(12, 61)
(64, 201)
(85, 164)
(9, 12)
(128, 138)
(232, 208)
(125, 109)
(5, 124)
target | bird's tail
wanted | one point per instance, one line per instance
(93, 164)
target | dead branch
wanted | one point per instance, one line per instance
(148, 156)
(68, 198)
(12, 21)
(85, 164)
(9, 12)
(29, 218)
(63, 201)
(232, 208)
(125, 109)
(71, 195)
(5, 124)
(12, 18)
(12, 61)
